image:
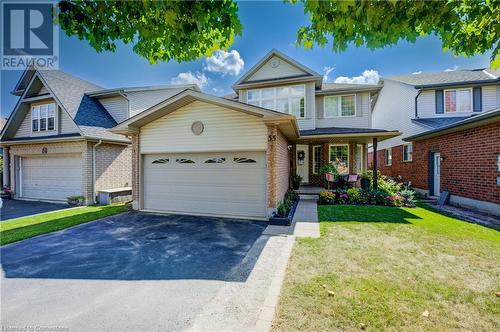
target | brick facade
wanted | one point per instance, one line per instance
(278, 167)
(113, 163)
(136, 159)
(469, 163)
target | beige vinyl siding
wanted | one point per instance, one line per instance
(490, 97)
(284, 69)
(142, 100)
(64, 123)
(224, 130)
(117, 107)
(362, 119)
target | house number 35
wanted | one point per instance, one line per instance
(272, 138)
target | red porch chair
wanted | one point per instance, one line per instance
(352, 180)
(329, 178)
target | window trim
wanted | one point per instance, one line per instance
(457, 111)
(340, 101)
(348, 155)
(314, 158)
(32, 106)
(410, 155)
(275, 98)
(386, 163)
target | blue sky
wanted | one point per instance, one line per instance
(266, 25)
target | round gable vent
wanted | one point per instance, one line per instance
(197, 127)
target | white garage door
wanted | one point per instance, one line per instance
(224, 184)
(51, 177)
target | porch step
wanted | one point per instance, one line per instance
(309, 196)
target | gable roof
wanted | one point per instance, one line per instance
(484, 118)
(274, 52)
(90, 117)
(118, 91)
(446, 78)
(287, 123)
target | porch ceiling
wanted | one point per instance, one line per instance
(360, 138)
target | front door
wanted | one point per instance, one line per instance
(302, 160)
(437, 174)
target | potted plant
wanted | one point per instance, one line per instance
(329, 169)
(6, 193)
(365, 181)
(296, 180)
(75, 200)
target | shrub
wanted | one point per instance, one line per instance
(409, 197)
(342, 197)
(354, 195)
(326, 197)
(287, 203)
(396, 200)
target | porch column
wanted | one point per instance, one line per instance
(352, 158)
(375, 164)
(6, 167)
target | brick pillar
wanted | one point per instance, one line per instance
(272, 176)
(87, 177)
(136, 169)
(352, 158)
(6, 167)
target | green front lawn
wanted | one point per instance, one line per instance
(22, 228)
(385, 268)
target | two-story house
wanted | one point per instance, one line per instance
(450, 134)
(56, 143)
(200, 154)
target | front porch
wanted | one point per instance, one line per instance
(344, 148)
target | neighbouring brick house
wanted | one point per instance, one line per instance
(430, 103)
(56, 142)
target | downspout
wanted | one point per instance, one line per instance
(93, 170)
(416, 103)
(121, 93)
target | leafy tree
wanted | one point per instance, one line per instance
(160, 30)
(466, 27)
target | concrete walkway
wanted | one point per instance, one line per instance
(306, 218)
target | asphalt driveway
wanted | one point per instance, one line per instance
(159, 271)
(13, 208)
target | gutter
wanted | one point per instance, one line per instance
(416, 103)
(93, 170)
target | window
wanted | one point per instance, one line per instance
(215, 161)
(339, 157)
(458, 100)
(338, 106)
(184, 161)
(288, 99)
(316, 159)
(388, 157)
(244, 160)
(360, 165)
(160, 161)
(407, 152)
(43, 117)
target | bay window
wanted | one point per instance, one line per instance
(339, 106)
(339, 157)
(287, 99)
(458, 100)
(43, 117)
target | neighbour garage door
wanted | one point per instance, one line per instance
(224, 184)
(51, 178)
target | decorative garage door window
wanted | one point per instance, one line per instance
(184, 161)
(160, 161)
(215, 161)
(244, 161)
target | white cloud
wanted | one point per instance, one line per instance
(225, 63)
(326, 71)
(455, 67)
(417, 72)
(369, 76)
(189, 78)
